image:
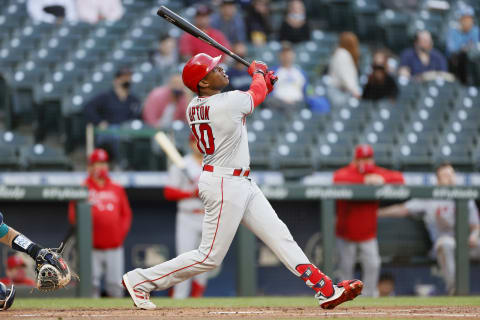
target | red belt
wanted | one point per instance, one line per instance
(235, 172)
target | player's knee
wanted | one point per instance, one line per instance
(445, 243)
(213, 261)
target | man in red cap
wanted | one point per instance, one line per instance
(356, 227)
(15, 273)
(111, 220)
(183, 187)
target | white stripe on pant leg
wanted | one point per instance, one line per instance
(224, 207)
(264, 222)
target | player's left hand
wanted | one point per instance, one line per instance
(52, 271)
(257, 66)
(270, 79)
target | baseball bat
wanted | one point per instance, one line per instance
(186, 26)
(172, 153)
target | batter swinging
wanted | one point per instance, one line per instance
(217, 121)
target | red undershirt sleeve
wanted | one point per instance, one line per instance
(258, 89)
(174, 194)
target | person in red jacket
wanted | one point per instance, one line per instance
(111, 220)
(356, 227)
(190, 46)
(15, 273)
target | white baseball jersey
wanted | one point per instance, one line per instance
(177, 179)
(218, 123)
(443, 209)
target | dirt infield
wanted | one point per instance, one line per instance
(463, 312)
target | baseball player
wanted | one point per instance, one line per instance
(111, 220)
(188, 229)
(230, 197)
(439, 218)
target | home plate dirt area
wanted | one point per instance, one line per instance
(277, 313)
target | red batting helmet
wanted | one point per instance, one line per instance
(15, 261)
(197, 68)
(98, 155)
(363, 151)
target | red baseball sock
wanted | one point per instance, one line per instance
(197, 290)
(315, 279)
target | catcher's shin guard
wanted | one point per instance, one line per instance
(315, 279)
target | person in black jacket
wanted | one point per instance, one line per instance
(258, 22)
(295, 26)
(113, 107)
(380, 85)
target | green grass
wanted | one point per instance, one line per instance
(71, 303)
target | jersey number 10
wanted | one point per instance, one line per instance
(204, 145)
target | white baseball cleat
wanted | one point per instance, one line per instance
(344, 291)
(141, 299)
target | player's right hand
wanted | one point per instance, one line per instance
(270, 79)
(257, 66)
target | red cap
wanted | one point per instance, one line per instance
(15, 261)
(363, 151)
(98, 155)
(197, 68)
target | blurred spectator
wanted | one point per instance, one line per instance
(386, 285)
(380, 84)
(183, 187)
(439, 218)
(356, 227)
(113, 107)
(257, 21)
(460, 41)
(230, 22)
(111, 221)
(295, 26)
(16, 272)
(422, 57)
(410, 6)
(167, 103)
(239, 79)
(190, 45)
(343, 70)
(165, 58)
(52, 11)
(290, 89)
(93, 11)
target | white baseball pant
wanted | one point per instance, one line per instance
(110, 263)
(228, 201)
(188, 234)
(369, 260)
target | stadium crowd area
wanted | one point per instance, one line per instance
(51, 71)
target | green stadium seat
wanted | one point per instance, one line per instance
(44, 158)
(8, 158)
